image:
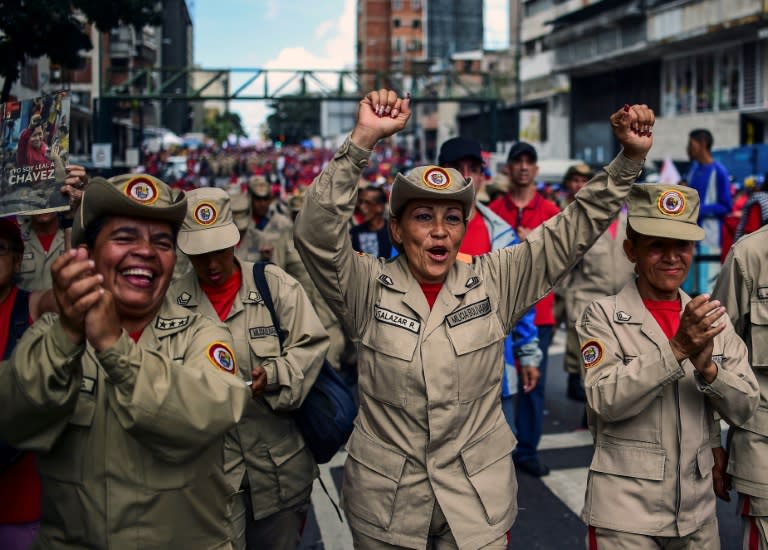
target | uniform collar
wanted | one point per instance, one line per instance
(462, 278)
(396, 276)
(630, 309)
(171, 318)
(186, 292)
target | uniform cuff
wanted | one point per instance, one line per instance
(624, 168)
(63, 344)
(358, 155)
(116, 359)
(271, 370)
(706, 388)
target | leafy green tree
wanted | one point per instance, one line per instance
(37, 28)
(295, 120)
(222, 125)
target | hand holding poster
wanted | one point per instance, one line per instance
(34, 148)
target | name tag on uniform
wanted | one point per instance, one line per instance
(262, 332)
(88, 385)
(762, 293)
(28, 256)
(469, 313)
(396, 320)
(717, 360)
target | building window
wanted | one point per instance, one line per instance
(396, 23)
(416, 5)
(712, 81)
(416, 23)
(28, 76)
(397, 5)
(397, 45)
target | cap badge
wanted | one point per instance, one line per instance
(222, 357)
(205, 213)
(437, 178)
(592, 353)
(671, 203)
(142, 189)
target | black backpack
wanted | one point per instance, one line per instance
(326, 418)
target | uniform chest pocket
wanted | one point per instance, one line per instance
(28, 264)
(263, 343)
(478, 352)
(386, 366)
(69, 458)
(759, 329)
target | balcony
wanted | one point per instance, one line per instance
(683, 21)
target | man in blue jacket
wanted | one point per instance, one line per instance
(486, 232)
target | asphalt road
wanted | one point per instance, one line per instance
(549, 507)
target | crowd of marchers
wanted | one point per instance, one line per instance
(148, 380)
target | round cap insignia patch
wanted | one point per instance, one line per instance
(142, 190)
(592, 353)
(222, 357)
(436, 178)
(671, 203)
(205, 213)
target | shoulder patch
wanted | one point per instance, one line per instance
(762, 293)
(222, 357)
(472, 282)
(469, 313)
(592, 353)
(623, 316)
(183, 298)
(396, 319)
(386, 280)
(168, 324)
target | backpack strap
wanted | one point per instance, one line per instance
(19, 321)
(261, 285)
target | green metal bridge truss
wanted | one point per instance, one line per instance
(235, 84)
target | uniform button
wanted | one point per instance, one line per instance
(122, 362)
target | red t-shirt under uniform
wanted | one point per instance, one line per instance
(222, 297)
(20, 489)
(666, 313)
(532, 215)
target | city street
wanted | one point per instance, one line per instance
(549, 506)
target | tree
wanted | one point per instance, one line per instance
(37, 28)
(294, 120)
(222, 125)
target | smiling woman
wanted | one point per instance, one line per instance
(127, 381)
(430, 460)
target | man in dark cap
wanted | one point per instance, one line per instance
(486, 232)
(524, 209)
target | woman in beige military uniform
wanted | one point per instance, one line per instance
(658, 365)
(742, 287)
(266, 458)
(125, 396)
(430, 459)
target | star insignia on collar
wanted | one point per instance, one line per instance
(183, 298)
(168, 324)
(473, 282)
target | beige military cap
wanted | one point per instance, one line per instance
(295, 202)
(130, 195)
(259, 187)
(431, 183)
(208, 225)
(670, 211)
(241, 207)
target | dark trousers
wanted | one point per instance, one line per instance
(530, 406)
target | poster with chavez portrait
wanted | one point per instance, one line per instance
(34, 149)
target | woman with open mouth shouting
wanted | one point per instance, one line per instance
(430, 460)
